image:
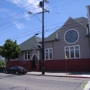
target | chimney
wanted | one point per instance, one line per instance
(88, 13)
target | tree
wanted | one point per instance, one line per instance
(2, 63)
(10, 50)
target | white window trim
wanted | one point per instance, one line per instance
(48, 54)
(35, 60)
(27, 55)
(33, 55)
(69, 30)
(74, 52)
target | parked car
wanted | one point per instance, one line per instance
(16, 70)
(2, 69)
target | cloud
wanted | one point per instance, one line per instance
(4, 12)
(31, 5)
(19, 25)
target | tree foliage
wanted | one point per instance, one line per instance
(2, 63)
(10, 50)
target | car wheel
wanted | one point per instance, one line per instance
(17, 73)
(24, 73)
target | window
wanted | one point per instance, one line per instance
(49, 53)
(27, 55)
(71, 36)
(72, 51)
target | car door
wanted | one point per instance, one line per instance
(11, 70)
(15, 69)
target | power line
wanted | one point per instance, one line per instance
(9, 25)
(65, 4)
(47, 30)
(56, 1)
(10, 22)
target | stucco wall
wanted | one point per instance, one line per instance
(83, 41)
(32, 53)
(58, 46)
(26, 64)
(80, 65)
(71, 65)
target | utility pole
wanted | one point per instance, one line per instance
(41, 4)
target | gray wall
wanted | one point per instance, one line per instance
(33, 52)
(58, 46)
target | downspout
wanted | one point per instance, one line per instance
(53, 58)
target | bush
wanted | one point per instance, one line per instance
(2, 63)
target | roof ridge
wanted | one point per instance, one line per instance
(80, 17)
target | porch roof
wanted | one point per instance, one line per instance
(28, 44)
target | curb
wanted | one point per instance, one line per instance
(70, 76)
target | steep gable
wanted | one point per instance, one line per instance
(81, 20)
(28, 44)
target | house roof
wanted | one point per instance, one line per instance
(52, 36)
(81, 20)
(28, 44)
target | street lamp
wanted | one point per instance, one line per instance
(34, 15)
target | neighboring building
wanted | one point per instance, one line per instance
(67, 48)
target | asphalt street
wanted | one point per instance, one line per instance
(38, 82)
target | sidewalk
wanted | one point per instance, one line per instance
(63, 74)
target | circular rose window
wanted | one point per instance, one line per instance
(71, 36)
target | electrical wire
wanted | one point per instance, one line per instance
(58, 6)
(46, 30)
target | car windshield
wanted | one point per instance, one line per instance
(11, 67)
(21, 67)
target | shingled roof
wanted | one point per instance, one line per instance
(28, 44)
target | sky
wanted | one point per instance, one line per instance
(17, 24)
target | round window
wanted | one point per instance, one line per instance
(71, 36)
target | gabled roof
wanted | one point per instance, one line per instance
(52, 36)
(82, 20)
(28, 44)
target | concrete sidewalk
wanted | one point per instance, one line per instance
(63, 74)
